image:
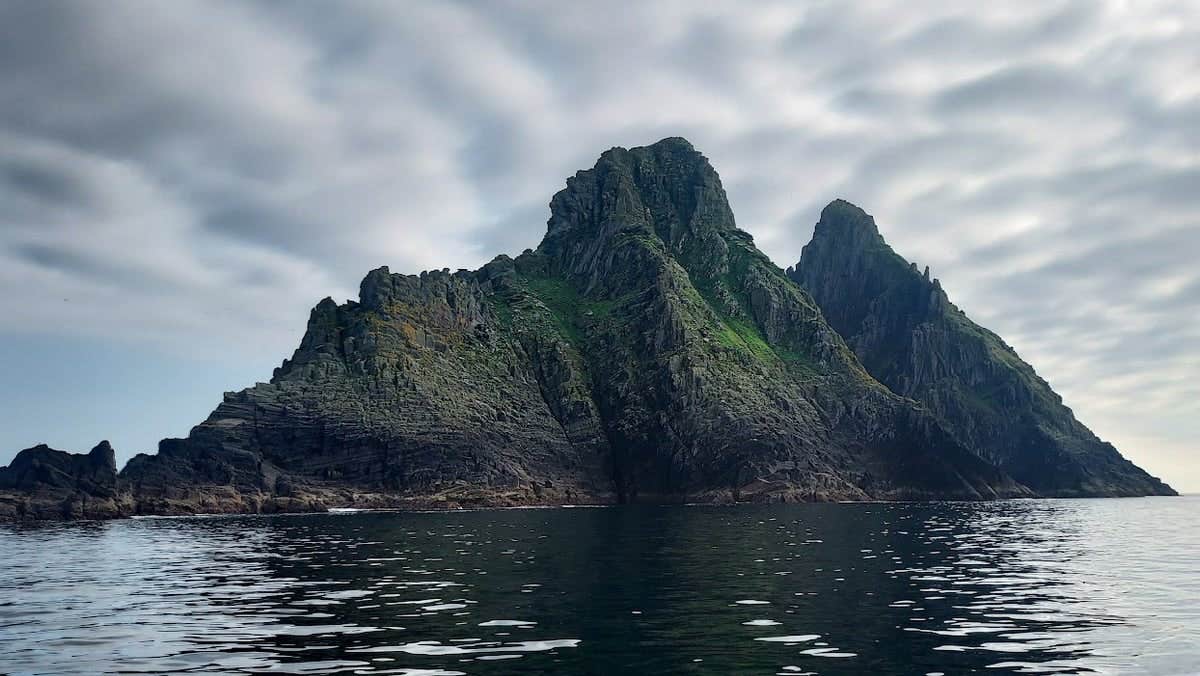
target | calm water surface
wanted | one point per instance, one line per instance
(1054, 586)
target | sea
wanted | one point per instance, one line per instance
(944, 588)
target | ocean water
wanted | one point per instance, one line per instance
(1040, 587)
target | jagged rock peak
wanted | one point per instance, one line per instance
(43, 465)
(671, 145)
(846, 224)
(374, 287)
(665, 195)
(673, 151)
(104, 455)
(655, 185)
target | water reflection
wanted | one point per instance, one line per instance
(1015, 587)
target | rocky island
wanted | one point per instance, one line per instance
(646, 351)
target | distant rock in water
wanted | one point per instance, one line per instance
(909, 336)
(645, 351)
(43, 483)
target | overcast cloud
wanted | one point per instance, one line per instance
(189, 179)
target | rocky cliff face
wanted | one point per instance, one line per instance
(645, 351)
(42, 483)
(422, 393)
(909, 336)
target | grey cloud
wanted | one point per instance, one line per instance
(945, 153)
(257, 221)
(966, 37)
(1035, 89)
(52, 257)
(62, 260)
(871, 101)
(1134, 257)
(521, 228)
(46, 184)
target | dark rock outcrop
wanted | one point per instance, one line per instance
(909, 336)
(43, 483)
(415, 395)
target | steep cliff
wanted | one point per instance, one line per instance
(909, 336)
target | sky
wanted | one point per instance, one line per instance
(181, 182)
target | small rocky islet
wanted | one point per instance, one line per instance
(646, 351)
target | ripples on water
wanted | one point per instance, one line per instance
(1063, 586)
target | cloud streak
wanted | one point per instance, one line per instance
(193, 178)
